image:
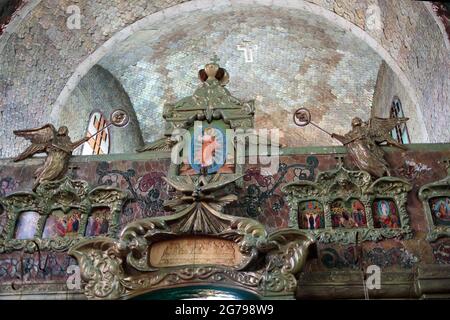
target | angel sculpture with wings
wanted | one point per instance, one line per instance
(362, 143)
(56, 144)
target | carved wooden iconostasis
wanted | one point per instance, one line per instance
(140, 223)
(60, 214)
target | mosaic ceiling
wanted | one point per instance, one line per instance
(296, 60)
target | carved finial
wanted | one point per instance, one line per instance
(215, 59)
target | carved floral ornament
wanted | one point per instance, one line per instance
(196, 244)
(343, 206)
(63, 196)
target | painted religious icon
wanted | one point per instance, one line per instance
(27, 225)
(62, 225)
(98, 223)
(349, 214)
(358, 213)
(341, 217)
(208, 150)
(440, 209)
(311, 215)
(385, 214)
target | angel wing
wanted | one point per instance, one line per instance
(39, 135)
(163, 144)
(181, 184)
(380, 129)
(39, 138)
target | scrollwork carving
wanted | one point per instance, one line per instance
(101, 268)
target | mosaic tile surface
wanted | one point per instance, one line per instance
(298, 60)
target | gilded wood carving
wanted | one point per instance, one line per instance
(435, 198)
(347, 206)
(65, 212)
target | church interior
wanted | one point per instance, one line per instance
(224, 149)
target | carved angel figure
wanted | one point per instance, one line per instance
(362, 143)
(56, 144)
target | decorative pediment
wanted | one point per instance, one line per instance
(210, 101)
(346, 206)
(343, 183)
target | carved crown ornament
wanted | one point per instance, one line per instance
(210, 101)
(435, 198)
(346, 207)
(197, 244)
(58, 215)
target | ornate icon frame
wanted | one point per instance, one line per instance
(427, 192)
(330, 186)
(65, 195)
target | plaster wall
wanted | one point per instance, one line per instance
(99, 90)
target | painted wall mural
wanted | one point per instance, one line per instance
(147, 191)
(263, 198)
(441, 252)
(355, 257)
(28, 268)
